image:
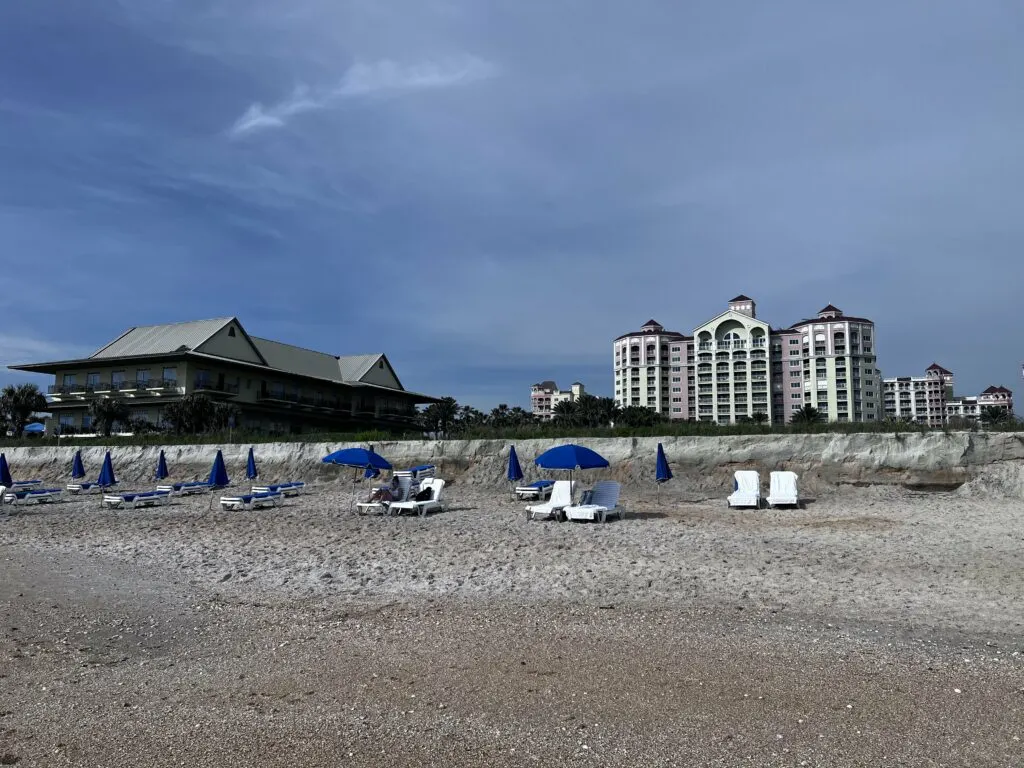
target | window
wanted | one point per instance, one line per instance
(92, 380)
(795, 396)
(676, 378)
(231, 331)
(66, 420)
(86, 422)
(675, 359)
(117, 379)
(677, 410)
(170, 374)
(793, 352)
(794, 363)
(676, 369)
(69, 380)
(142, 376)
(202, 377)
(676, 389)
(794, 384)
(794, 341)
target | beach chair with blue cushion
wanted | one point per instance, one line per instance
(600, 503)
(85, 488)
(32, 495)
(537, 491)
(251, 500)
(285, 489)
(187, 489)
(134, 500)
(24, 485)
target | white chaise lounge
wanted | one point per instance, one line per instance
(32, 495)
(187, 489)
(561, 497)
(746, 489)
(782, 490)
(79, 488)
(251, 500)
(285, 489)
(433, 504)
(136, 500)
(602, 503)
(404, 483)
(537, 491)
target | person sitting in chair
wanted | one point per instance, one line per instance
(388, 492)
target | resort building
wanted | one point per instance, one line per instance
(653, 370)
(736, 366)
(545, 396)
(277, 387)
(922, 399)
(973, 406)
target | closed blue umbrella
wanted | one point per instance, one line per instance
(77, 468)
(106, 477)
(250, 466)
(570, 457)
(662, 473)
(161, 467)
(218, 472)
(515, 472)
(5, 472)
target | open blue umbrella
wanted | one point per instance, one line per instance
(218, 472)
(250, 466)
(35, 428)
(106, 477)
(570, 457)
(361, 458)
(5, 472)
(77, 468)
(662, 473)
(161, 467)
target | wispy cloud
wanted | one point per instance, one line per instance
(363, 80)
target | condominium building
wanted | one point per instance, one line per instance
(973, 406)
(653, 369)
(545, 397)
(922, 399)
(277, 387)
(736, 366)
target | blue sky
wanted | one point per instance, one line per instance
(491, 192)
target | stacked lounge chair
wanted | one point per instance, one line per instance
(537, 491)
(32, 495)
(285, 489)
(432, 504)
(134, 500)
(253, 500)
(561, 497)
(601, 502)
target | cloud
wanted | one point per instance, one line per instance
(362, 80)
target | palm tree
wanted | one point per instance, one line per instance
(760, 418)
(807, 414)
(565, 413)
(993, 415)
(18, 403)
(106, 411)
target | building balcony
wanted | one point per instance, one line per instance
(206, 386)
(152, 386)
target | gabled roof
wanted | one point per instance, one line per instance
(162, 339)
(996, 390)
(547, 384)
(354, 367)
(830, 308)
(741, 297)
(306, 362)
(652, 322)
(939, 368)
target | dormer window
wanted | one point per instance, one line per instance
(231, 331)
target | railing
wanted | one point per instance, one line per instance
(111, 386)
(202, 385)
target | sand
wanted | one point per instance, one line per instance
(875, 627)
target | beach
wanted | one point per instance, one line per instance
(877, 626)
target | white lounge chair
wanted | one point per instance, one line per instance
(782, 490)
(187, 489)
(602, 503)
(561, 497)
(32, 495)
(79, 488)
(285, 489)
(136, 500)
(433, 504)
(24, 485)
(746, 489)
(538, 491)
(404, 484)
(251, 500)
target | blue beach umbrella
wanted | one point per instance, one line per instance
(250, 466)
(77, 468)
(570, 457)
(662, 473)
(218, 472)
(34, 429)
(106, 477)
(5, 472)
(360, 458)
(162, 472)
(515, 472)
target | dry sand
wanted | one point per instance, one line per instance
(875, 627)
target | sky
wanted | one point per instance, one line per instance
(490, 192)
